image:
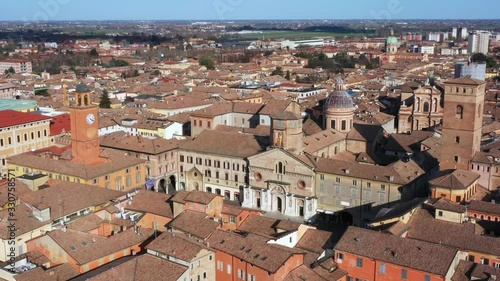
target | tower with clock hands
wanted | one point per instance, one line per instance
(84, 128)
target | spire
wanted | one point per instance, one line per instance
(392, 32)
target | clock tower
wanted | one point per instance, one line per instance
(84, 126)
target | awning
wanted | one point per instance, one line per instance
(150, 184)
(320, 211)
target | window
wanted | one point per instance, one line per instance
(404, 274)
(198, 161)
(232, 219)
(457, 139)
(189, 159)
(280, 168)
(337, 180)
(18, 138)
(440, 213)
(459, 199)
(382, 268)
(381, 196)
(340, 257)
(485, 261)
(208, 162)
(194, 122)
(497, 265)
(208, 124)
(344, 125)
(228, 269)
(459, 112)
(220, 266)
(359, 262)
(332, 123)
(427, 278)
(354, 191)
(455, 158)
(354, 182)
(426, 107)
(181, 158)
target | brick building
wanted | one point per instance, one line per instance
(371, 255)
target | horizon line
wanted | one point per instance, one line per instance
(232, 20)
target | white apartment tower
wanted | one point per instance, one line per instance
(478, 42)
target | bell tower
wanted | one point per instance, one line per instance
(287, 131)
(462, 122)
(84, 128)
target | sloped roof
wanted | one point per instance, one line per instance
(455, 179)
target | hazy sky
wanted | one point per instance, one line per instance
(40, 10)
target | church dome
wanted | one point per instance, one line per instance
(339, 98)
(82, 88)
(392, 40)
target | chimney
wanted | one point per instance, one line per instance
(346, 171)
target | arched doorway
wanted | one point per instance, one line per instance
(345, 218)
(196, 186)
(162, 186)
(279, 204)
(171, 185)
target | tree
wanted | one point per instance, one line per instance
(208, 62)
(287, 76)
(105, 101)
(10, 70)
(156, 72)
(94, 52)
(480, 57)
(42, 93)
(278, 71)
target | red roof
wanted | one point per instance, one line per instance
(14, 60)
(12, 118)
(58, 123)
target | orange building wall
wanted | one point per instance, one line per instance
(371, 270)
(259, 273)
(393, 272)
(476, 257)
(349, 264)
(154, 221)
(483, 215)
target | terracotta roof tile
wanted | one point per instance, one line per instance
(419, 255)
(194, 223)
(85, 247)
(144, 267)
(270, 257)
(177, 245)
(424, 227)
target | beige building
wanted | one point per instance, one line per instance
(19, 66)
(21, 132)
(160, 156)
(354, 192)
(216, 162)
(420, 109)
(280, 181)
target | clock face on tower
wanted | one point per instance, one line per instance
(90, 119)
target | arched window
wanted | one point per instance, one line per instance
(426, 107)
(417, 105)
(280, 168)
(459, 113)
(435, 103)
